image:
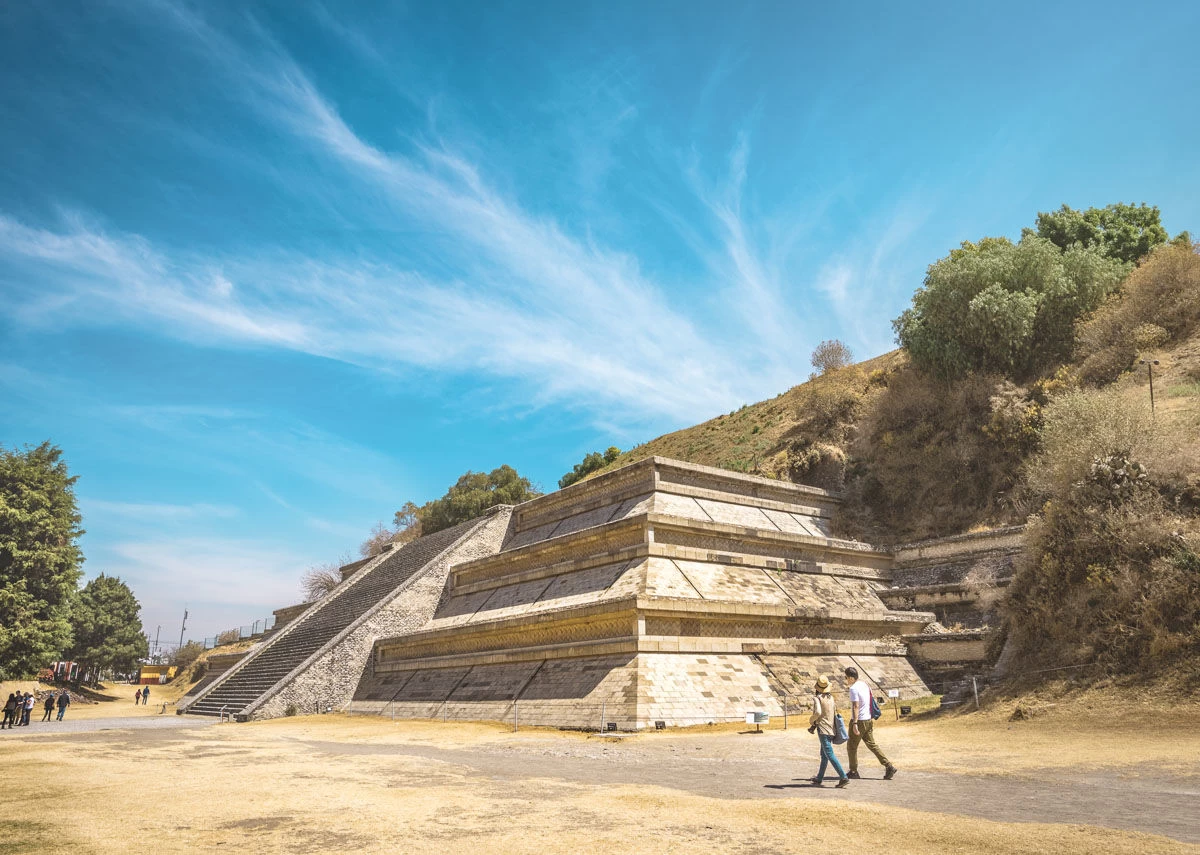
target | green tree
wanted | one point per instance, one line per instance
(186, 654)
(590, 463)
(473, 494)
(40, 558)
(108, 626)
(1005, 308)
(1124, 232)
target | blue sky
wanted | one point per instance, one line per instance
(269, 270)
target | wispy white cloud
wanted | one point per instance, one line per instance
(579, 323)
(154, 511)
(224, 582)
(858, 282)
(514, 294)
(754, 275)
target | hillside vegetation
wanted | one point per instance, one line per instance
(1022, 395)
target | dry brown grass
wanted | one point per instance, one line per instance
(270, 788)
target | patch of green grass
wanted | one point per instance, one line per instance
(1184, 390)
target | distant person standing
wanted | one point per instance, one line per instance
(49, 706)
(64, 701)
(862, 726)
(145, 695)
(30, 702)
(10, 712)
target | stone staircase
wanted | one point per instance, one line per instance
(279, 656)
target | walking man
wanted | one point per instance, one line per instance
(862, 726)
(64, 701)
(145, 695)
(49, 706)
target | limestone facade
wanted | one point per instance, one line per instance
(662, 591)
(328, 678)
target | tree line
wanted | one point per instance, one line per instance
(44, 614)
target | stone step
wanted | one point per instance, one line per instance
(316, 627)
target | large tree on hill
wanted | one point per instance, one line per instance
(1124, 232)
(108, 627)
(1004, 308)
(474, 493)
(40, 558)
(471, 495)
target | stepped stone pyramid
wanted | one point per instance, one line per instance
(315, 661)
(662, 591)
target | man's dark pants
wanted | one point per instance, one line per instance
(864, 733)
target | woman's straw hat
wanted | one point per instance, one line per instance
(822, 683)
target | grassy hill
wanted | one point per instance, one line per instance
(920, 457)
(753, 438)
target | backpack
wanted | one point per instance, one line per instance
(839, 730)
(876, 712)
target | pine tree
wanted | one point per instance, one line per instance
(108, 629)
(40, 558)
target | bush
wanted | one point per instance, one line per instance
(593, 462)
(187, 654)
(1108, 573)
(1080, 426)
(1159, 304)
(1106, 577)
(934, 457)
(1002, 308)
(831, 355)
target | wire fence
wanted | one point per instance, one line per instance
(251, 630)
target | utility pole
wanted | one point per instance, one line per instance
(157, 632)
(1150, 363)
(183, 627)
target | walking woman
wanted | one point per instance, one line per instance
(823, 710)
(10, 712)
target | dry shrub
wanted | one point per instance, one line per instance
(1158, 304)
(1080, 425)
(933, 457)
(827, 414)
(1117, 583)
(1110, 571)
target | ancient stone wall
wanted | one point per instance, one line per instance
(329, 677)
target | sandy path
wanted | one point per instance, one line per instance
(718, 767)
(333, 784)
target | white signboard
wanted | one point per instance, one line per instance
(893, 693)
(757, 718)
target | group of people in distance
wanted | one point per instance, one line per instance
(824, 723)
(19, 707)
(141, 696)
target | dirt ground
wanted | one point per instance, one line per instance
(1072, 779)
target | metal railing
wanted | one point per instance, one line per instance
(251, 630)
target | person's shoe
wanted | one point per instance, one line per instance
(843, 782)
(889, 773)
(817, 782)
(853, 775)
